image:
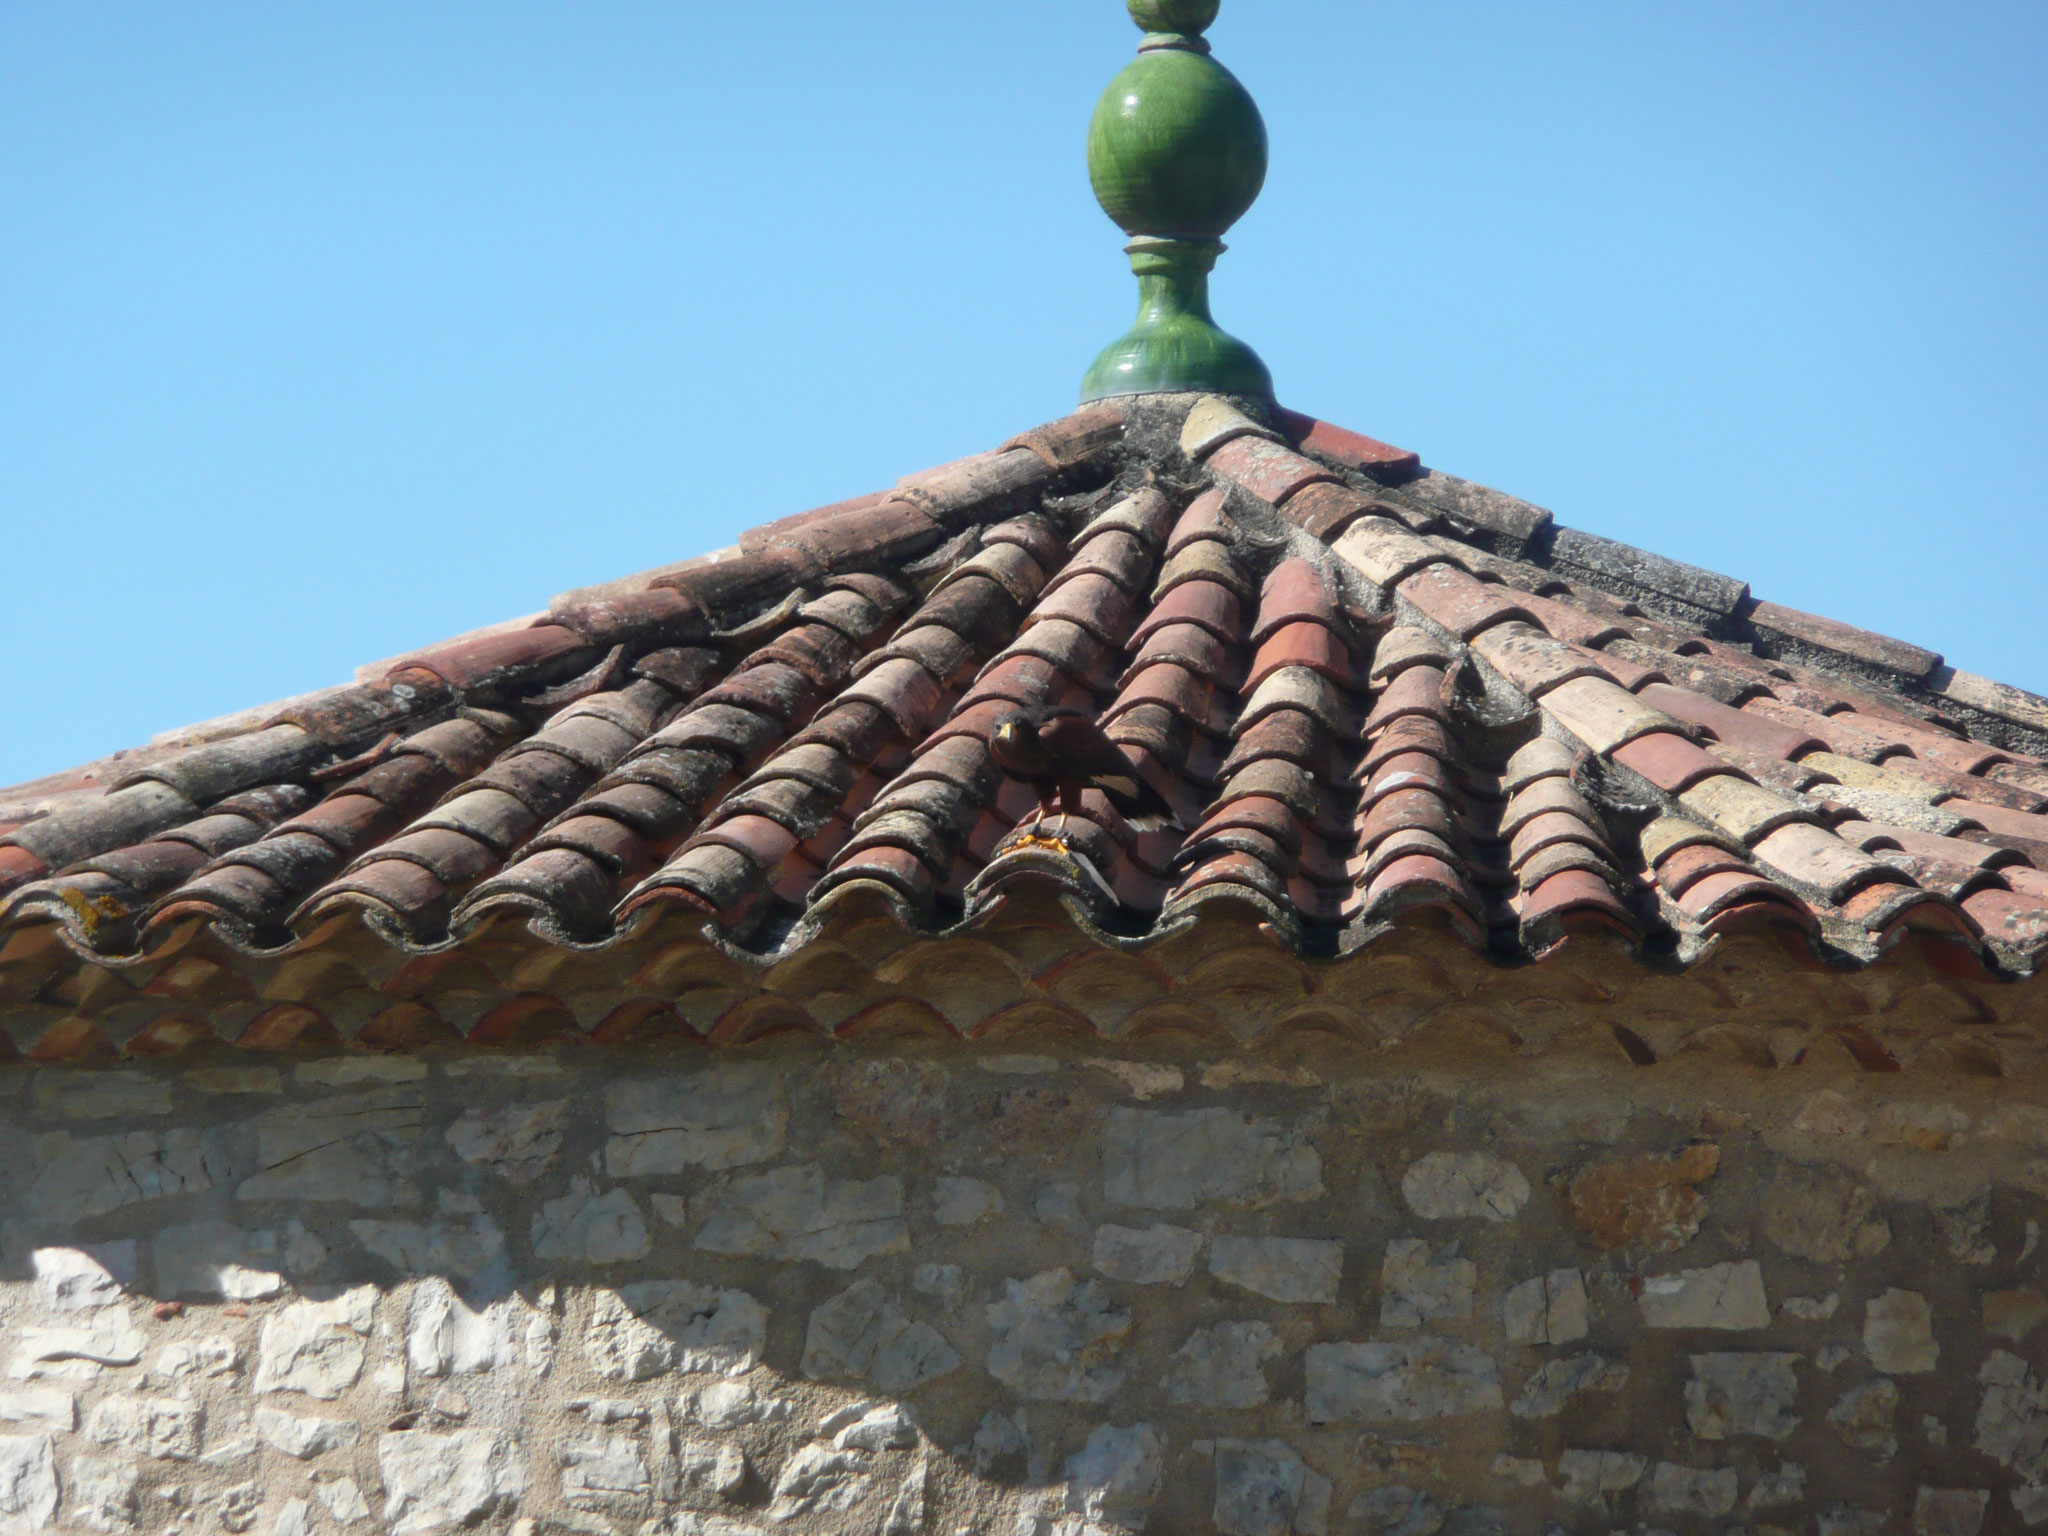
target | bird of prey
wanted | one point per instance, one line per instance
(1061, 752)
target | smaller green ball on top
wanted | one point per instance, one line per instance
(1190, 18)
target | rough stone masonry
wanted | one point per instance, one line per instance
(805, 1288)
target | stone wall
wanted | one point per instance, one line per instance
(809, 1289)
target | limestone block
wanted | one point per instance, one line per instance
(1556, 1382)
(342, 1500)
(518, 1142)
(1264, 1488)
(1059, 1205)
(101, 1095)
(1419, 1283)
(818, 1478)
(1680, 1490)
(797, 1213)
(111, 1339)
(1784, 1484)
(1949, 1511)
(358, 1148)
(294, 1518)
(725, 1117)
(28, 1483)
(1591, 1477)
(1223, 1367)
(641, 1331)
(1154, 1255)
(50, 1408)
(592, 1228)
(1822, 1215)
(1290, 1269)
(82, 1279)
(433, 1481)
(99, 1493)
(78, 1177)
(1115, 1476)
(1419, 1378)
(1057, 1339)
(860, 1335)
(1457, 1186)
(1550, 1309)
(2012, 1419)
(216, 1258)
(1863, 1416)
(1898, 1333)
(963, 1202)
(1727, 1296)
(166, 1428)
(604, 1469)
(206, 1356)
(444, 1337)
(302, 1437)
(906, 1514)
(465, 1249)
(1395, 1509)
(1736, 1393)
(1163, 1160)
(316, 1347)
(946, 1283)
(884, 1427)
(729, 1404)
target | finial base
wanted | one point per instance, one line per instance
(1175, 347)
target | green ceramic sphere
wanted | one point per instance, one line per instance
(1188, 17)
(1177, 146)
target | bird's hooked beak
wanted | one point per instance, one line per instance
(1010, 733)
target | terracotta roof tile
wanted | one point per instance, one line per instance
(799, 728)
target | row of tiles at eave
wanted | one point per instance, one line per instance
(1333, 797)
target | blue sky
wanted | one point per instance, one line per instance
(328, 331)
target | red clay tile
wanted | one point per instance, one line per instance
(2013, 921)
(1257, 813)
(1669, 761)
(1306, 644)
(1295, 592)
(1417, 691)
(1095, 603)
(1707, 897)
(1266, 469)
(1877, 650)
(1214, 607)
(1171, 686)
(1404, 811)
(1463, 603)
(1203, 519)
(1185, 645)
(1732, 727)
(1114, 554)
(1354, 450)
(1324, 510)
(1678, 871)
(472, 663)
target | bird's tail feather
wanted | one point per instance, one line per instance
(1164, 821)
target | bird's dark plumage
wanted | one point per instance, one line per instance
(1061, 752)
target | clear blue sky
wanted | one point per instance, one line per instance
(330, 330)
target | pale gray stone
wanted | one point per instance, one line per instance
(730, 1404)
(818, 1478)
(316, 1347)
(1556, 1382)
(1223, 1366)
(963, 1202)
(1898, 1333)
(111, 1339)
(1811, 1309)
(354, 1071)
(1550, 1309)
(358, 1149)
(796, 1213)
(208, 1356)
(1452, 1186)
(84, 1278)
(906, 1514)
(641, 1331)
(452, 1247)
(2030, 1503)
(50, 1407)
(1682, 1490)
(1059, 1205)
(1154, 1255)
(683, 1523)
(78, 1177)
(28, 1483)
(1590, 1477)
(1058, 1339)
(99, 1494)
(1847, 1520)
(604, 1469)
(518, 1142)
(216, 1258)
(1115, 1477)
(946, 1283)
(1523, 1471)
(1863, 1416)
(725, 1117)
(1966, 1229)
(238, 1080)
(1397, 1510)
(294, 1518)
(997, 1438)
(1949, 1511)
(101, 1095)
(1264, 1488)
(1164, 1160)
(1419, 1283)
(1725, 1296)
(1821, 1214)
(1290, 1269)
(1419, 1378)
(166, 1428)
(342, 1500)
(300, 1437)
(1738, 1393)
(1784, 1485)
(433, 1481)
(2012, 1419)
(860, 1335)
(592, 1228)
(883, 1427)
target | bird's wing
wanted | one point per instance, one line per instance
(1080, 752)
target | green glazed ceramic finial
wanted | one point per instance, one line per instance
(1176, 153)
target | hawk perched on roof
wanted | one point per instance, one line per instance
(1061, 752)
